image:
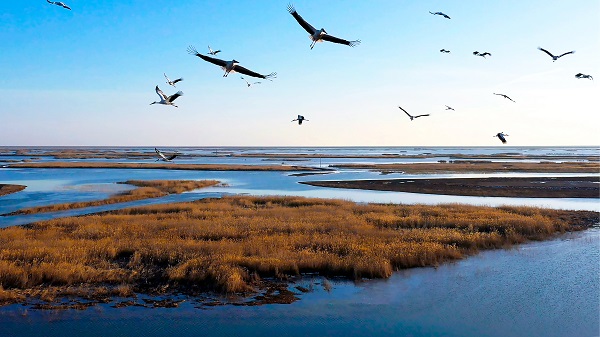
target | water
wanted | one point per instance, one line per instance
(539, 289)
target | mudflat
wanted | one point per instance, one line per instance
(527, 187)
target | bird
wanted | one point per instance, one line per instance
(58, 3)
(444, 51)
(580, 75)
(230, 66)
(166, 100)
(213, 52)
(163, 157)
(501, 136)
(440, 13)
(300, 119)
(484, 54)
(248, 83)
(554, 58)
(411, 116)
(169, 82)
(318, 35)
(450, 108)
(503, 95)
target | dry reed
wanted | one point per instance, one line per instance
(228, 244)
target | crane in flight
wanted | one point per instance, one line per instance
(163, 157)
(248, 83)
(554, 57)
(300, 119)
(444, 51)
(213, 52)
(169, 82)
(58, 3)
(501, 136)
(484, 54)
(166, 100)
(449, 108)
(411, 116)
(440, 13)
(503, 95)
(230, 66)
(318, 35)
(580, 75)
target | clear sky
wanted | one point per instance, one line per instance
(87, 76)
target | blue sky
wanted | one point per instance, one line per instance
(87, 76)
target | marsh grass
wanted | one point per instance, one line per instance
(480, 166)
(228, 245)
(146, 189)
(8, 189)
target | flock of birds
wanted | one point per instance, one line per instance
(316, 36)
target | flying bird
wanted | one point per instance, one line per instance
(169, 82)
(58, 3)
(484, 54)
(230, 66)
(554, 58)
(501, 136)
(450, 108)
(503, 95)
(440, 13)
(580, 75)
(213, 52)
(300, 119)
(163, 157)
(411, 116)
(318, 35)
(444, 51)
(248, 83)
(166, 100)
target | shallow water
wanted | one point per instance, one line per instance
(538, 289)
(541, 289)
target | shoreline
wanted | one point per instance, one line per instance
(250, 247)
(147, 166)
(529, 187)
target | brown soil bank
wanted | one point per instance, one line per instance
(193, 167)
(229, 245)
(479, 166)
(530, 187)
(8, 189)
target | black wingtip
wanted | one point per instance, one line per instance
(291, 8)
(191, 50)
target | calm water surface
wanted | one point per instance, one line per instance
(540, 289)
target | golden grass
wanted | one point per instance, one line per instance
(229, 244)
(146, 189)
(163, 166)
(8, 189)
(482, 166)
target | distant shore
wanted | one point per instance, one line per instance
(524, 187)
(165, 166)
(8, 189)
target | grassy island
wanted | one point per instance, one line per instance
(8, 189)
(233, 244)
